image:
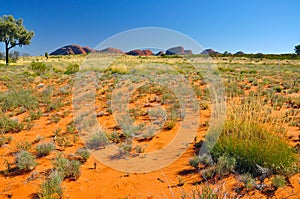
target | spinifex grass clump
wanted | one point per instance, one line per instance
(8, 125)
(12, 99)
(252, 142)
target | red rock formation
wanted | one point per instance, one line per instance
(69, 50)
(88, 49)
(111, 50)
(179, 50)
(209, 52)
(148, 52)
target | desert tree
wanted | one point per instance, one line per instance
(297, 49)
(13, 33)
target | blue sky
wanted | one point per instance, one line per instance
(251, 26)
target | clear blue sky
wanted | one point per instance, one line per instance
(251, 25)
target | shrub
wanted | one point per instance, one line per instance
(23, 145)
(39, 67)
(195, 162)
(55, 105)
(72, 68)
(206, 160)
(97, 140)
(45, 149)
(52, 187)
(25, 161)
(170, 124)
(278, 89)
(13, 99)
(248, 181)
(83, 153)
(4, 140)
(125, 148)
(278, 181)
(225, 164)
(68, 168)
(248, 138)
(208, 173)
(251, 144)
(9, 126)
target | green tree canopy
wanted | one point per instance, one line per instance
(297, 49)
(13, 33)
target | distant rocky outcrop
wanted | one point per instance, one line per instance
(138, 52)
(209, 52)
(188, 52)
(239, 53)
(148, 52)
(88, 49)
(111, 50)
(179, 50)
(73, 49)
(160, 53)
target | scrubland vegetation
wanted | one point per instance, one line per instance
(259, 140)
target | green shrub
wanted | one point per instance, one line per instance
(248, 181)
(68, 168)
(277, 89)
(72, 68)
(55, 105)
(278, 181)
(35, 115)
(52, 187)
(170, 124)
(204, 193)
(45, 149)
(24, 145)
(9, 126)
(225, 164)
(13, 99)
(39, 67)
(83, 153)
(125, 148)
(251, 143)
(25, 161)
(5, 140)
(195, 162)
(208, 173)
(97, 140)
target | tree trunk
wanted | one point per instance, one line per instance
(6, 53)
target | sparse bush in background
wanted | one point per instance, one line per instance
(68, 168)
(97, 140)
(25, 161)
(125, 148)
(8, 125)
(51, 188)
(13, 99)
(83, 153)
(13, 57)
(55, 105)
(45, 149)
(248, 181)
(46, 55)
(72, 68)
(5, 140)
(39, 68)
(195, 162)
(278, 181)
(226, 164)
(23, 145)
